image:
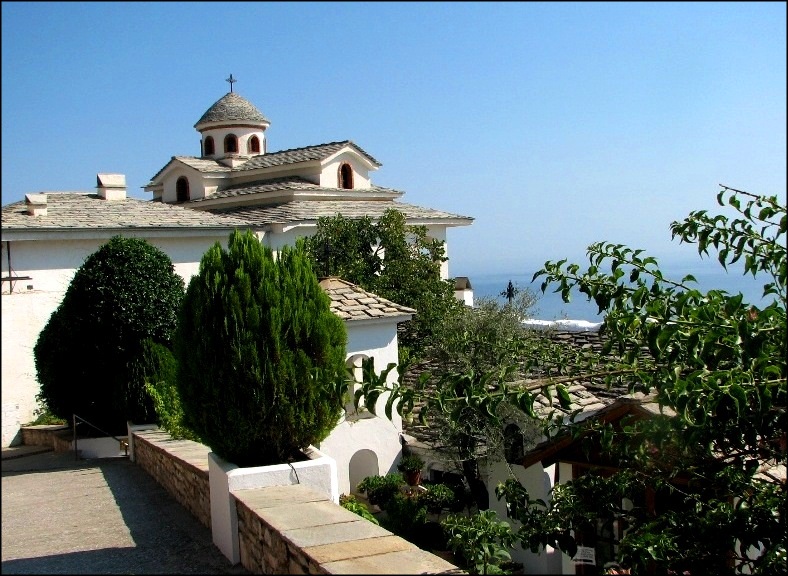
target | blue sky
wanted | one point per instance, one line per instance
(554, 125)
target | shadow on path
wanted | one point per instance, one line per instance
(61, 516)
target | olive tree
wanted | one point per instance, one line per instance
(715, 363)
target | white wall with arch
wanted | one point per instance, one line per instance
(374, 434)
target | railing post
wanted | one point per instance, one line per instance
(76, 453)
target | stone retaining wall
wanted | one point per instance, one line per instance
(41, 435)
(180, 466)
(282, 529)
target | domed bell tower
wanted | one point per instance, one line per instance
(232, 130)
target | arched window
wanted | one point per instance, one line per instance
(182, 189)
(346, 176)
(231, 143)
(253, 145)
(210, 149)
(513, 444)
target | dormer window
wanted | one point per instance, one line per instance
(182, 189)
(346, 176)
(230, 144)
(210, 148)
(253, 146)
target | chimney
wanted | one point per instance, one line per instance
(36, 204)
(111, 186)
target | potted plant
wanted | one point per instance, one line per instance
(410, 465)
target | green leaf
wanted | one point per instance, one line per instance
(563, 396)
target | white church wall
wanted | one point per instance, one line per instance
(24, 316)
(196, 184)
(329, 177)
(243, 133)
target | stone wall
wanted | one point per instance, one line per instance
(180, 466)
(283, 529)
(41, 435)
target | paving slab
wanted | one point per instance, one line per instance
(23, 450)
(358, 548)
(102, 516)
(404, 562)
(333, 533)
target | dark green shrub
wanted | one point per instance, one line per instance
(261, 371)
(125, 292)
(380, 489)
(406, 514)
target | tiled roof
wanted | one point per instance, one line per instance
(305, 154)
(351, 302)
(231, 108)
(296, 183)
(202, 164)
(312, 210)
(72, 210)
(581, 398)
(281, 158)
(587, 395)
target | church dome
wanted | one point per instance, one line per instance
(232, 108)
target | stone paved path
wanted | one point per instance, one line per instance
(105, 516)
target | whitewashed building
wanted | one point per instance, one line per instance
(281, 194)
(235, 183)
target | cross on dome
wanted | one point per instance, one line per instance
(231, 80)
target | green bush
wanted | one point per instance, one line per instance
(406, 514)
(44, 417)
(381, 489)
(153, 374)
(125, 292)
(261, 358)
(481, 540)
(438, 497)
(349, 502)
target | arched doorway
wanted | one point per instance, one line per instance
(362, 464)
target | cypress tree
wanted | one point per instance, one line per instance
(260, 354)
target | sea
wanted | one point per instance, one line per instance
(550, 306)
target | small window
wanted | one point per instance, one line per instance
(210, 149)
(231, 143)
(254, 145)
(182, 189)
(346, 177)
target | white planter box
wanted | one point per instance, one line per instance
(105, 447)
(319, 472)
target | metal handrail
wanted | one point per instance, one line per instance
(123, 443)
